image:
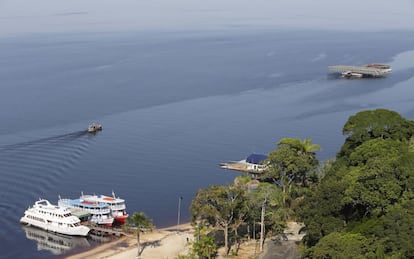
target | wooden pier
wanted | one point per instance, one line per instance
(106, 230)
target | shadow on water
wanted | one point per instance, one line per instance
(54, 243)
(46, 141)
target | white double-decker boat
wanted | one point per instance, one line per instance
(100, 212)
(117, 205)
(53, 218)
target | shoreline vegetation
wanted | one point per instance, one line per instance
(358, 205)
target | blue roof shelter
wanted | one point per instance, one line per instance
(256, 159)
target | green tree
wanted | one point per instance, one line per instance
(362, 207)
(301, 146)
(341, 245)
(218, 206)
(246, 183)
(378, 176)
(371, 124)
(321, 209)
(291, 163)
(141, 223)
(391, 233)
(204, 245)
(266, 199)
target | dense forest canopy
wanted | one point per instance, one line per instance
(362, 208)
(358, 205)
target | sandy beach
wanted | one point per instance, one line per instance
(165, 243)
(170, 242)
(160, 243)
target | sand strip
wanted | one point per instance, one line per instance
(160, 243)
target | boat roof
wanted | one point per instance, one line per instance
(85, 203)
(46, 205)
(79, 213)
(102, 198)
(256, 158)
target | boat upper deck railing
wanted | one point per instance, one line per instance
(376, 70)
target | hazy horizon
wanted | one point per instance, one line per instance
(22, 16)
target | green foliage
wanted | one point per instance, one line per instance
(292, 161)
(217, 205)
(372, 124)
(205, 247)
(378, 175)
(292, 166)
(411, 144)
(270, 196)
(221, 207)
(301, 146)
(243, 180)
(360, 205)
(392, 231)
(341, 245)
(363, 205)
(141, 223)
(321, 210)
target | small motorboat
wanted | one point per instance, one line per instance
(94, 127)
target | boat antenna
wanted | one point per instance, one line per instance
(81, 193)
(113, 194)
(59, 197)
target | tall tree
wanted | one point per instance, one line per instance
(218, 206)
(372, 124)
(204, 245)
(321, 209)
(301, 146)
(266, 199)
(342, 245)
(362, 207)
(141, 223)
(292, 162)
(378, 174)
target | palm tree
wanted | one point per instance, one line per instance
(142, 223)
(292, 162)
(302, 146)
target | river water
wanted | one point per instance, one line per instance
(173, 105)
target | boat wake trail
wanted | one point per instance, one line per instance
(46, 141)
(29, 170)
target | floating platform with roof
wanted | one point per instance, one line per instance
(370, 70)
(254, 164)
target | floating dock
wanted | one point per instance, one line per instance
(370, 70)
(105, 230)
(254, 164)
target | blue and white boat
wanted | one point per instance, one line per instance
(100, 212)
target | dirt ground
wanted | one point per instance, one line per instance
(158, 244)
(168, 243)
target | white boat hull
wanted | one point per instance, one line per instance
(54, 227)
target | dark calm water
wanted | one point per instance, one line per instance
(173, 106)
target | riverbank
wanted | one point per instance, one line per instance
(173, 241)
(167, 242)
(160, 243)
